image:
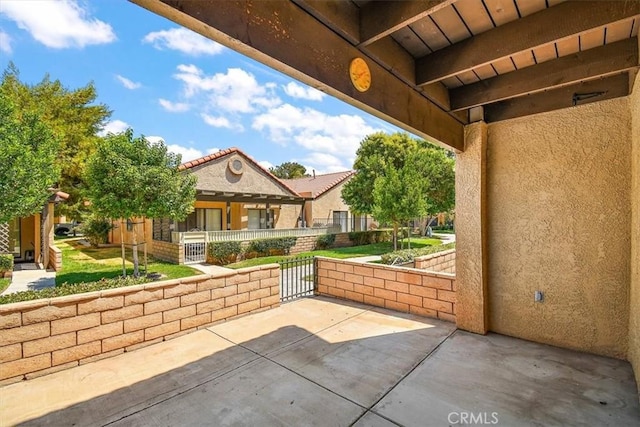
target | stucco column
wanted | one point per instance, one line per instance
(471, 227)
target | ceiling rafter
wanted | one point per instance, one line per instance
(379, 19)
(276, 33)
(547, 26)
(605, 60)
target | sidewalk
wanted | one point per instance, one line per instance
(27, 277)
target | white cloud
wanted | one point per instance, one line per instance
(295, 90)
(5, 43)
(183, 40)
(314, 130)
(173, 107)
(265, 164)
(154, 139)
(221, 122)
(187, 153)
(128, 83)
(58, 24)
(114, 126)
(235, 91)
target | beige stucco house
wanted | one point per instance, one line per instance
(324, 203)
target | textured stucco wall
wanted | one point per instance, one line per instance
(634, 312)
(216, 176)
(471, 259)
(558, 209)
(327, 203)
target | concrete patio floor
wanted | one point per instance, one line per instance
(328, 363)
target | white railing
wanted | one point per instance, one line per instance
(245, 235)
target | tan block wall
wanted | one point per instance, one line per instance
(342, 240)
(55, 258)
(167, 251)
(397, 288)
(49, 335)
(442, 262)
(304, 244)
(559, 219)
(634, 308)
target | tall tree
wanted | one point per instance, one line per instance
(74, 119)
(380, 153)
(132, 178)
(28, 165)
(398, 194)
(289, 170)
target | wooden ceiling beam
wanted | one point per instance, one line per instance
(605, 60)
(343, 17)
(547, 26)
(577, 94)
(283, 36)
(379, 19)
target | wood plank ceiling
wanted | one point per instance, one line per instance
(435, 65)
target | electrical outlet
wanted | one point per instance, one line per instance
(538, 296)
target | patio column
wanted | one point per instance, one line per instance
(471, 227)
(228, 215)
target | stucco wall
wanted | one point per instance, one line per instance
(327, 203)
(216, 176)
(558, 209)
(634, 313)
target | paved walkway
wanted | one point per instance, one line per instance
(327, 363)
(27, 277)
(210, 268)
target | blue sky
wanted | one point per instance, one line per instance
(167, 82)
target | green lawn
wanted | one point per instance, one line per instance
(341, 253)
(4, 284)
(85, 264)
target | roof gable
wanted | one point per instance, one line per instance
(317, 185)
(216, 172)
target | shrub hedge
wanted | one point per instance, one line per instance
(360, 238)
(71, 289)
(223, 253)
(408, 255)
(6, 262)
(264, 247)
(325, 241)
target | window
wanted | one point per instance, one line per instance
(341, 218)
(202, 220)
(258, 219)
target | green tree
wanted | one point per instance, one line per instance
(289, 170)
(132, 178)
(379, 153)
(398, 194)
(28, 168)
(74, 119)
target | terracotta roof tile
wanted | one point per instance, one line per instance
(222, 153)
(319, 184)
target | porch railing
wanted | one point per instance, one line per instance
(245, 235)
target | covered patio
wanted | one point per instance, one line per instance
(322, 362)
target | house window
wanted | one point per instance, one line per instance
(258, 219)
(202, 220)
(341, 219)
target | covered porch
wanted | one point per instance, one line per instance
(322, 362)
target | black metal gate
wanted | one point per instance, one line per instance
(297, 278)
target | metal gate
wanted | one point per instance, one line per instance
(297, 278)
(195, 248)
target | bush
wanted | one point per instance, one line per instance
(360, 238)
(96, 230)
(223, 253)
(408, 255)
(72, 289)
(6, 263)
(273, 246)
(325, 241)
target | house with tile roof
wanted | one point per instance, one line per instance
(324, 204)
(238, 199)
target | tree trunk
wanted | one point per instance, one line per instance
(124, 268)
(134, 245)
(144, 236)
(395, 236)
